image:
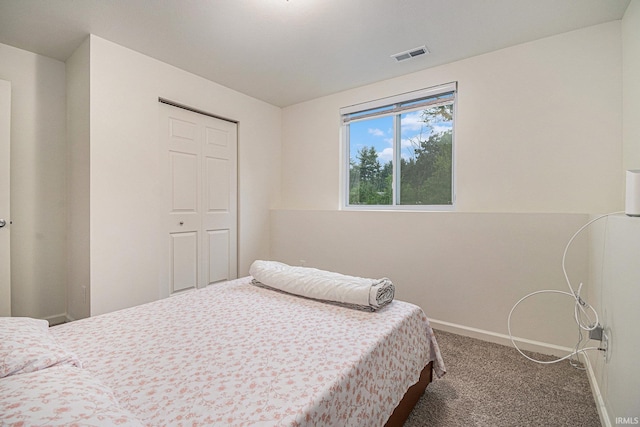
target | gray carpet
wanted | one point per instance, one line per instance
(493, 385)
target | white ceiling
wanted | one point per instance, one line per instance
(288, 51)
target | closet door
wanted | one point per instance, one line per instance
(5, 237)
(200, 154)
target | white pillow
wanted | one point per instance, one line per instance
(60, 396)
(27, 346)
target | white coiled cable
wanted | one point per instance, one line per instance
(581, 308)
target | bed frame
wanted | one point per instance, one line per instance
(411, 397)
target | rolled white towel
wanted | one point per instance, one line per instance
(324, 285)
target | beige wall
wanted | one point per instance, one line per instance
(112, 158)
(631, 86)
(78, 180)
(38, 183)
(614, 249)
(537, 149)
(615, 274)
(534, 122)
(125, 226)
(466, 270)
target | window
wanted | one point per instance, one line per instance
(399, 150)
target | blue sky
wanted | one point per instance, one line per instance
(378, 132)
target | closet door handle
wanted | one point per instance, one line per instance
(2, 223)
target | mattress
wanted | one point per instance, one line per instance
(237, 354)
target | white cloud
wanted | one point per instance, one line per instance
(376, 132)
(441, 128)
(385, 155)
(406, 143)
(412, 122)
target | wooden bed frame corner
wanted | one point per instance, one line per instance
(410, 399)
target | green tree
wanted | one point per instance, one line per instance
(369, 165)
(425, 175)
(369, 182)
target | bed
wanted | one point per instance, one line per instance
(233, 354)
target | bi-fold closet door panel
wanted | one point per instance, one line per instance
(200, 154)
(5, 219)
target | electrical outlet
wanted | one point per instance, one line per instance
(596, 333)
(605, 344)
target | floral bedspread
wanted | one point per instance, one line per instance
(236, 354)
(60, 395)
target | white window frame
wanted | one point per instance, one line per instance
(384, 102)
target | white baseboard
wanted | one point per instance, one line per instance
(595, 390)
(481, 334)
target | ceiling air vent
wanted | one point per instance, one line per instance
(411, 53)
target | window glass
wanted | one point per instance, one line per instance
(401, 154)
(426, 156)
(371, 161)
